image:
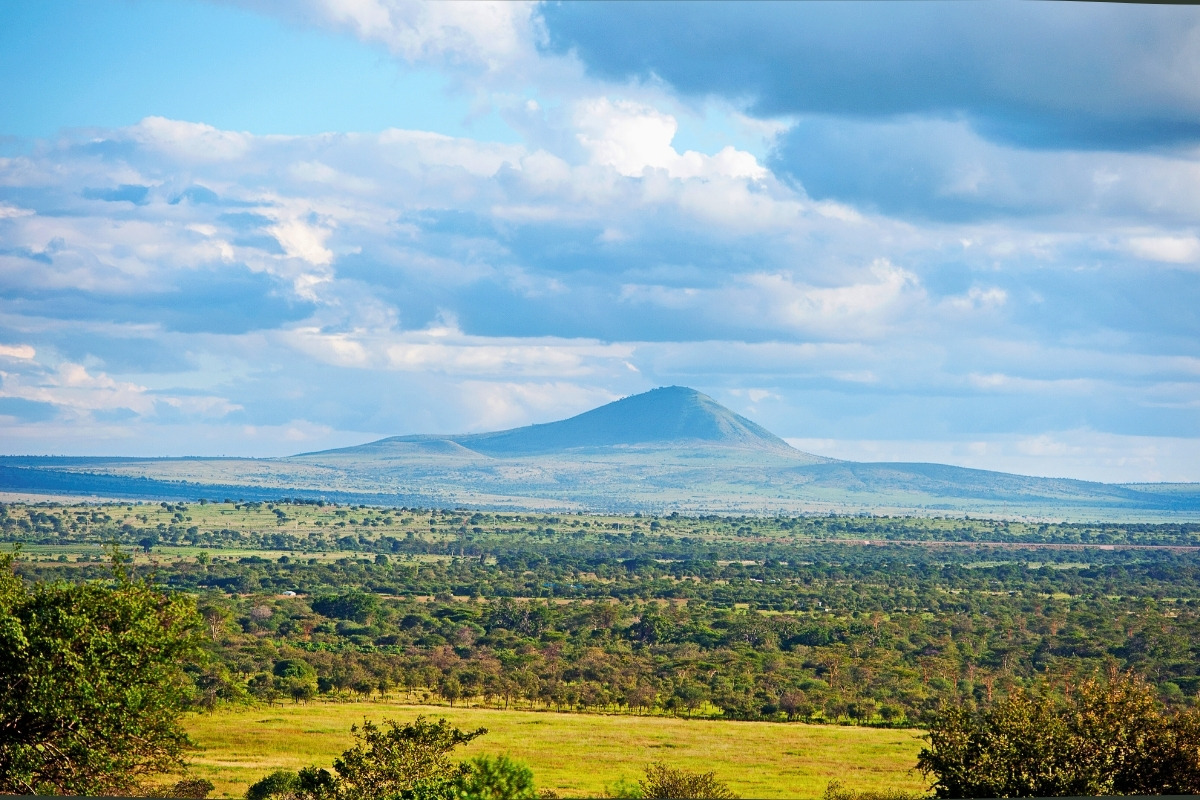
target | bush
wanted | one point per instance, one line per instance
(186, 789)
(836, 791)
(662, 781)
(1101, 738)
(91, 684)
(401, 762)
(282, 783)
(499, 778)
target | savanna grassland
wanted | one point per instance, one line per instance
(576, 755)
(779, 651)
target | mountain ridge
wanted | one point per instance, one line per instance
(671, 448)
(666, 415)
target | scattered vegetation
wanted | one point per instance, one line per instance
(875, 621)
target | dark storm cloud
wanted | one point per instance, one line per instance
(1038, 74)
(234, 301)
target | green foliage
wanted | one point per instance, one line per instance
(282, 783)
(403, 761)
(1099, 738)
(310, 783)
(296, 668)
(499, 778)
(187, 789)
(91, 683)
(398, 762)
(835, 790)
(356, 605)
(662, 781)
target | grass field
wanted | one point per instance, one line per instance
(576, 755)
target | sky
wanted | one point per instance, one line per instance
(957, 232)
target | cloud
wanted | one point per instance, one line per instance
(944, 169)
(19, 351)
(484, 33)
(190, 141)
(885, 295)
(1168, 249)
(1044, 74)
(9, 212)
(300, 240)
(631, 137)
(504, 404)
(77, 392)
(370, 284)
(446, 349)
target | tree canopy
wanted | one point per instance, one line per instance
(1097, 738)
(91, 683)
(393, 762)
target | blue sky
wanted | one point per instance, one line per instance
(966, 233)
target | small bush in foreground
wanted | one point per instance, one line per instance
(662, 781)
(499, 778)
(401, 762)
(836, 791)
(185, 789)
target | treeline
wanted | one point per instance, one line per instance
(704, 615)
(866, 667)
(320, 526)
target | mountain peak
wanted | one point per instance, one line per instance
(671, 414)
(663, 416)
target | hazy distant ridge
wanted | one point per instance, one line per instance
(670, 448)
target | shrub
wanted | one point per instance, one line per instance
(836, 791)
(1101, 738)
(401, 762)
(662, 781)
(499, 778)
(91, 684)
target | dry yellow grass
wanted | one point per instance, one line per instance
(576, 755)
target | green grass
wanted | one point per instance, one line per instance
(576, 755)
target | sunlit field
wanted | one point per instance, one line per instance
(576, 755)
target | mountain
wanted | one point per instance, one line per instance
(671, 416)
(670, 448)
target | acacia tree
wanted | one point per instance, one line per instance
(1100, 738)
(91, 683)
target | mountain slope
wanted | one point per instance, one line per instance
(673, 415)
(670, 448)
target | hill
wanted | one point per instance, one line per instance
(674, 415)
(670, 448)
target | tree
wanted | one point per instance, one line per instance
(662, 781)
(279, 784)
(401, 762)
(91, 683)
(355, 605)
(1103, 738)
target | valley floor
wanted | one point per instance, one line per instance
(576, 755)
